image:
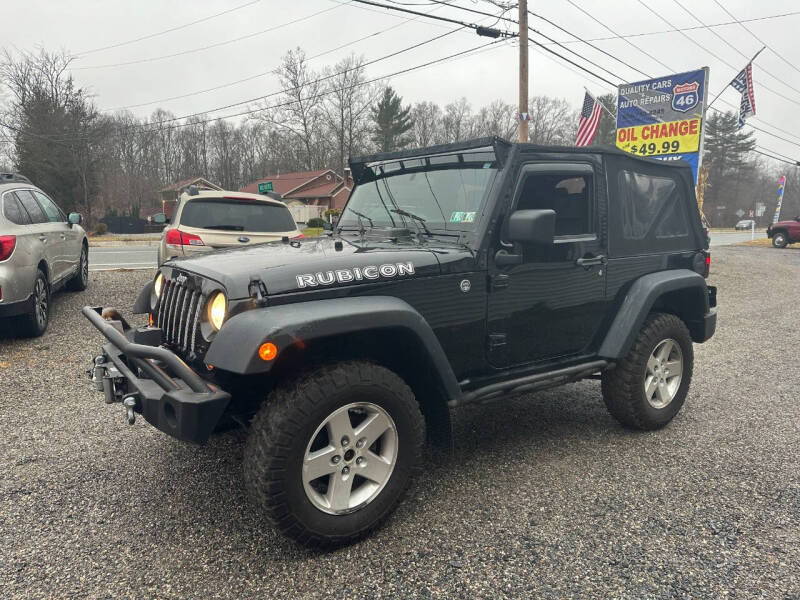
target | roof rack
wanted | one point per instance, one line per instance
(13, 178)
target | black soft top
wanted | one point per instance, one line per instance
(502, 148)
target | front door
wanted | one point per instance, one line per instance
(553, 304)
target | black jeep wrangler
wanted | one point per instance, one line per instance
(456, 274)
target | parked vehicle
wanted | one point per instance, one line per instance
(41, 250)
(456, 274)
(746, 224)
(210, 219)
(784, 233)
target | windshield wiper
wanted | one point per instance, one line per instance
(416, 218)
(360, 222)
(225, 227)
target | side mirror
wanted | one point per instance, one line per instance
(327, 226)
(74, 219)
(532, 226)
(160, 219)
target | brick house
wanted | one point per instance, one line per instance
(322, 188)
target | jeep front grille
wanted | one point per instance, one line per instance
(178, 315)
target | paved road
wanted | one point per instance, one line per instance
(544, 496)
(103, 258)
(724, 238)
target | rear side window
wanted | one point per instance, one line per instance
(13, 211)
(651, 203)
(226, 214)
(32, 207)
(54, 214)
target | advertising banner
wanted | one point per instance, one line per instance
(781, 187)
(663, 118)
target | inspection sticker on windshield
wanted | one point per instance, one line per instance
(462, 217)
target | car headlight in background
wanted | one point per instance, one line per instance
(216, 310)
(158, 285)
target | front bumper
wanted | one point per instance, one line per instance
(154, 382)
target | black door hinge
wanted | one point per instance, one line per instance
(500, 281)
(496, 340)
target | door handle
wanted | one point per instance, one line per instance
(63, 237)
(43, 238)
(591, 261)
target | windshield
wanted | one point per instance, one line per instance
(225, 214)
(447, 198)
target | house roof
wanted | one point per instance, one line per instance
(198, 181)
(303, 184)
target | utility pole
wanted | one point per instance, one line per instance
(523, 71)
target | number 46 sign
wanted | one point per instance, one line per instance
(685, 96)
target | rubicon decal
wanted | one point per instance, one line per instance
(371, 272)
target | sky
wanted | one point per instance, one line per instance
(247, 41)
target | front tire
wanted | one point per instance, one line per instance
(779, 240)
(80, 281)
(331, 453)
(648, 387)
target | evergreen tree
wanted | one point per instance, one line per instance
(607, 127)
(726, 156)
(392, 122)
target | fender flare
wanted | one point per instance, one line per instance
(235, 347)
(142, 303)
(639, 301)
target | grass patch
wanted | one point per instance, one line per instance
(759, 242)
(313, 231)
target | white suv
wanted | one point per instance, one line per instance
(208, 220)
(41, 250)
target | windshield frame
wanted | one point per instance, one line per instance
(381, 171)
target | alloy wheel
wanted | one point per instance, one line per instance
(663, 374)
(41, 302)
(350, 458)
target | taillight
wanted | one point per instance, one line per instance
(181, 238)
(7, 245)
(297, 237)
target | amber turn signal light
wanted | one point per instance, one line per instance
(267, 351)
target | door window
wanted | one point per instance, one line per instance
(13, 210)
(54, 214)
(568, 194)
(32, 207)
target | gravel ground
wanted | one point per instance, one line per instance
(543, 497)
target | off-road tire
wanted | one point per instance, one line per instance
(30, 325)
(80, 281)
(779, 239)
(623, 386)
(281, 430)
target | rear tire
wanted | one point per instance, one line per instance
(35, 323)
(779, 240)
(80, 281)
(648, 387)
(308, 419)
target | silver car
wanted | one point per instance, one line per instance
(208, 220)
(41, 250)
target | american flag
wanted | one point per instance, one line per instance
(743, 83)
(590, 119)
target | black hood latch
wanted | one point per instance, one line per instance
(257, 290)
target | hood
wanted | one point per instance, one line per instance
(314, 264)
(785, 223)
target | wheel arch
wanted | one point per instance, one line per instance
(381, 329)
(680, 292)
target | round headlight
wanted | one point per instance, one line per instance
(158, 284)
(216, 310)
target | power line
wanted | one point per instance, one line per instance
(210, 46)
(758, 39)
(165, 31)
(258, 75)
(318, 80)
(719, 58)
(486, 31)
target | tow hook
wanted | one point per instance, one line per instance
(129, 402)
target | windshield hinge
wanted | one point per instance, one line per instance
(500, 281)
(257, 290)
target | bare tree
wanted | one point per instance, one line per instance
(427, 117)
(553, 121)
